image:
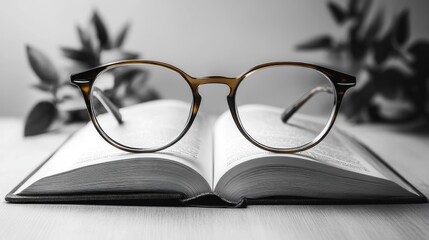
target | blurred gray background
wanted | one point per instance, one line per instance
(202, 37)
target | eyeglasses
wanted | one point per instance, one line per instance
(283, 107)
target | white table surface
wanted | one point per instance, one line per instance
(407, 151)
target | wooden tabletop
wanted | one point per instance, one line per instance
(406, 150)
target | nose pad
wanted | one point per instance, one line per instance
(213, 98)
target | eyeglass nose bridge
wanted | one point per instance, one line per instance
(232, 83)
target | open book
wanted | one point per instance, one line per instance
(213, 159)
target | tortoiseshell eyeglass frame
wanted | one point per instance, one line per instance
(340, 81)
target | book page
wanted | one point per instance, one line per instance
(232, 148)
(86, 147)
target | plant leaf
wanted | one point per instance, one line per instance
(102, 34)
(40, 118)
(137, 84)
(358, 48)
(353, 7)
(389, 82)
(321, 42)
(417, 86)
(337, 12)
(122, 35)
(87, 45)
(374, 27)
(126, 76)
(420, 52)
(365, 8)
(41, 65)
(382, 49)
(402, 27)
(74, 54)
(359, 99)
(81, 56)
(80, 115)
(358, 45)
(84, 38)
(359, 9)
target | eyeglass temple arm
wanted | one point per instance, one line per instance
(291, 110)
(108, 105)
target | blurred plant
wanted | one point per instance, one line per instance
(393, 73)
(97, 47)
